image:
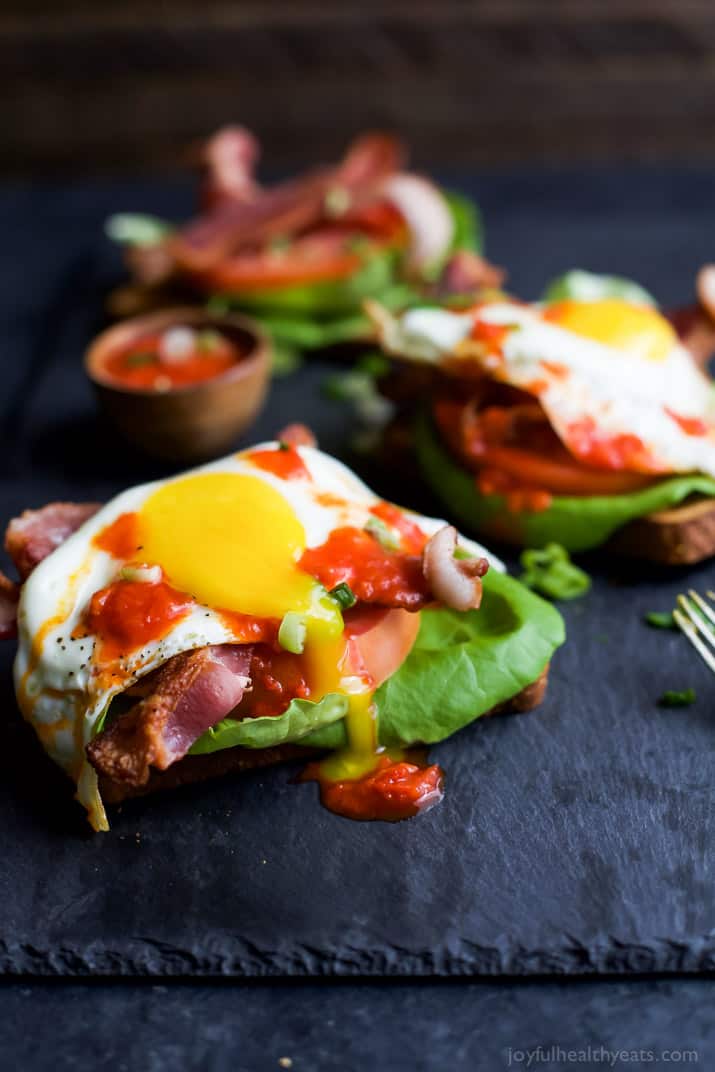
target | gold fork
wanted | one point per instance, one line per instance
(696, 618)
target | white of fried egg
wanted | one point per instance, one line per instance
(229, 535)
(614, 367)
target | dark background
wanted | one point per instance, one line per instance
(91, 87)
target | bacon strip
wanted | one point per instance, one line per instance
(466, 272)
(286, 208)
(192, 692)
(695, 324)
(9, 595)
(229, 157)
(696, 331)
(37, 533)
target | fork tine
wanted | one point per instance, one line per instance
(691, 634)
(702, 605)
(698, 621)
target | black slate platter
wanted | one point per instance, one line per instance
(573, 839)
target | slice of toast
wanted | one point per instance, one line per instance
(680, 536)
(234, 760)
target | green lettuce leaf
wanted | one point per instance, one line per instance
(299, 720)
(577, 523)
(329, 298)
(589, 286)
(468, 226)
(462, 665)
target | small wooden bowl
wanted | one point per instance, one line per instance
(189, 423)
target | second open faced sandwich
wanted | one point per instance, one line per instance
(263, 607)
(583, 419)
(302, 254)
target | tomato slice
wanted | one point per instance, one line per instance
(562, 476)
(382, 639)
(516, 443)
(315, 258)
(323, 254)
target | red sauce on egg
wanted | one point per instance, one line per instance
(126, 615)
(246, 629)
(607, 452)
(353, 556)
(121, 538)
(283, 461)
(491, 335)
(692, 426)
(393, 790)
(412, 538)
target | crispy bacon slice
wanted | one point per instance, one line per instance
(696, 331)
(466, 272)
(192, 692)
(285, 209)
(297, 435)
(229, 157)
(36, 533)
(695, 324)
(9, 595)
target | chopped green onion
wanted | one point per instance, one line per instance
(350, 386)
(285, 359)
(291, 635)
(282, 445)
(674, 698)
(344, 596)
(373, 364)
(551, 572)
(384, 535)
(337, 201)
(133, 229)
(143, 574)
(660, 619)
(140, 358)
(208, 340)
(218, 305)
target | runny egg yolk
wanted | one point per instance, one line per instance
(232, 542)
(635, 329)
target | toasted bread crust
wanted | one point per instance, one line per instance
(235, 760)
(681, 536)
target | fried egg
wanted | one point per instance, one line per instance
(617, 386)
(229, 536)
